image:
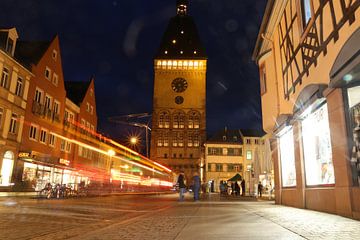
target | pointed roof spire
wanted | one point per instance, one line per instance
(181, 7)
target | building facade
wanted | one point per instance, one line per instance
(308, 57)
(229, 152)
(14, 86)
(179, 100)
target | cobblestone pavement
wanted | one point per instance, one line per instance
(163, 217)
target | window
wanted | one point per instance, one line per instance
(194, 120)
(5, 78)
(1, 116)
(248, 141)
(219, 167)
(160, 141)
(209, 167)
(165, 155)
(234, 152)
(19, 87)
(13, 124)
(215, 151)
(180, 140)
(91, 110)
(87, 107)
(38, 95)
(62, 145)
(54, 54)
(230, 167)
(33, 132)
(175, 140)
(47, 73)
(68, 147)
(190, 141)
(164, 120)
(56, 107)
(257, 141)
(43, 135)
(166, 140)
(196, 140)
(225, 151)
(319, 166)
(262, 79)
(48, 102)
(305, 11)
(51, 139)
(55, 79)
(9, 46)
(174, 155)
(248, 155)
(287, 158)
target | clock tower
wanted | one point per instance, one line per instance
(179, 101)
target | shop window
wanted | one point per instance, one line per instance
(5, 78)
(287, 157)
(354, 105)
(306, 12)
(19, 87)
(7, 168)
(319, 169)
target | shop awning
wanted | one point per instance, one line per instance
(235, 178)
(346, 69)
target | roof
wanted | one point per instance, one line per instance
(253, 132)
(181, 39)
(226, 136)
(28, 53)
(76, 91)
(263, 27)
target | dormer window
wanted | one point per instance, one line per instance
(10, 46)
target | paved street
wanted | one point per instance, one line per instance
(163, 217)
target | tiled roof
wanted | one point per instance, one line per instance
(28, 53)
(253, 132)
(226, 136)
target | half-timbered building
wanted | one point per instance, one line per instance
(308, 54)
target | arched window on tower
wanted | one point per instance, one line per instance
(166, 139)
(190, 140)
(160, 140)
(194, 120)
(164, 120)
(196, 140)
(179, 120)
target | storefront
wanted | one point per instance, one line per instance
(7, 169)
(38, 173)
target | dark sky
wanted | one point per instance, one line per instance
(116, 40)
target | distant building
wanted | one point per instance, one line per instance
(229, 152)
(179, 116)
(14, 86)
(309, 62)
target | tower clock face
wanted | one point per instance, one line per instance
(179, 85)
(179, 100)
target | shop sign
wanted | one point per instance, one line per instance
(24, 155)
(64, 161)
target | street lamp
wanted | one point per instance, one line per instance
(133, 140)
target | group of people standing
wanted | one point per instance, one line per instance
(196, 183)
(233, 189)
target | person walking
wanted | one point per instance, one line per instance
(242, 187)
(260, 188)
(182, 186)
(196, 186)
(237, 189)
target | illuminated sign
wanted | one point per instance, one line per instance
(64, 161)
(24, 155)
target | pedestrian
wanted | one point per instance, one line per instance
(182, 186)
(196, 186)
(237, 189)
(243, 187)
(222, 187)
(271, 189)
(260, 188)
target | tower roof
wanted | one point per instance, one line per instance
(181, 39)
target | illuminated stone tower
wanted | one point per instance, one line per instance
(179, 102)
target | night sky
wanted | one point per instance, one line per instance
(116, 40)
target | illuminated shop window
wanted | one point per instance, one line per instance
(7, 168)
(354, 110)
(319, 169)
(287, 158)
